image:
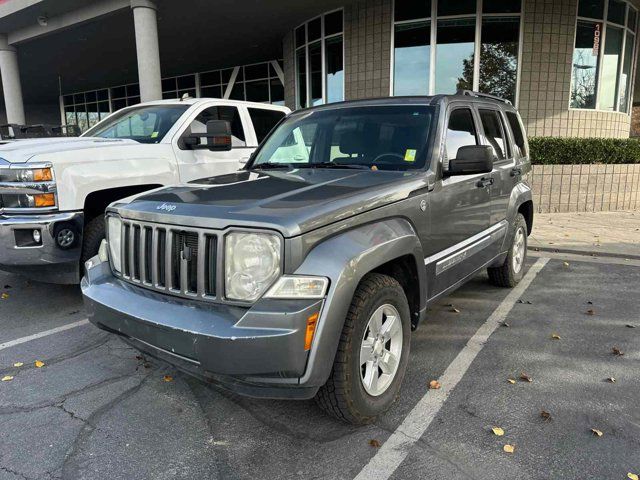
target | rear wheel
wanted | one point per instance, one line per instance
(511, 271)
(372, 355)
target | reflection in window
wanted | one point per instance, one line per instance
(610, 68)
(412, 56)
(625, 81)
(499, 57)
(461, 132)
(585, 66)
(320, 60)
(494, 133)
(455, 55)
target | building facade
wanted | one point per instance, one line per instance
(569, 65)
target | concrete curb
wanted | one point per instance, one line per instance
(587, 253)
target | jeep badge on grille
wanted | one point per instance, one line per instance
(166, 207)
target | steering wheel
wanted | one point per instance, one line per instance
(388, 154)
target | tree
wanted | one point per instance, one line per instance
(498, 67)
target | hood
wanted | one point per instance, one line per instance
(292, 202)
(22, 151)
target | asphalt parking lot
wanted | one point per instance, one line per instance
(97, 411)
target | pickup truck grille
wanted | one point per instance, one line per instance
(180, 261)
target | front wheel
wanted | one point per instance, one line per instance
(511, 271)
(372, 355)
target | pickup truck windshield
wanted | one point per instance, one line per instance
(393, 137)
(147, 124)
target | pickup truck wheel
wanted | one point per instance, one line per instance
(372, 355)
(511, 271)
(92, 238)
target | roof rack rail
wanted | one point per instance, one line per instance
(471, 93)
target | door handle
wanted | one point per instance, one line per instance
(516, 172)
(484, 182)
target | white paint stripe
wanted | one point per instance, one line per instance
(397, 447)
(46, 333)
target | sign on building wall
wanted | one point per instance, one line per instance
(597, 31)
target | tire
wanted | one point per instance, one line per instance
(508, 274)
(345, 396)
(92, 238)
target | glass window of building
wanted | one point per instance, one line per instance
(86, 109)
(320, 60)
(603, 55)
(470, 44)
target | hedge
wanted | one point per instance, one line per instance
(567, 151)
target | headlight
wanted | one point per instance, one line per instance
(114, 231)
(298, 287)
(36, 190)
(252, 264)
(27, 175)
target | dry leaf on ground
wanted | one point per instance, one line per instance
(611, 380)
(632, 476)
(4, 296)
(497, 431)
(434, 385)
(545, 415)
(39, 364)
(454, 310)
(7, 378)
(617, 351)
(168, 378)
(555, 336)
(509, 448)
(18, 364)
(511, 381)
(591, 311)
(566, 264)
(374, 443)
(630, 326)
(596, 432)
(525, 377)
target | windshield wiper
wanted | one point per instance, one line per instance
(334, 165)
(270, 166)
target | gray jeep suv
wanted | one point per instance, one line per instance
(303, 274)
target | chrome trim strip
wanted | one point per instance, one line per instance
(456, 253)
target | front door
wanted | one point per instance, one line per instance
(460, 210)
(196, 164)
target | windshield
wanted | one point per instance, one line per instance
(144, 124)
(387, 137)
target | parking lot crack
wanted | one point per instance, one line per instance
(15, 472)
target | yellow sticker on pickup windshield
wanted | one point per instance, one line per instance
(410, 155)
(154, 135)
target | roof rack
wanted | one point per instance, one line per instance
(471, 93)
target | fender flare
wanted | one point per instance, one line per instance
(345, 259)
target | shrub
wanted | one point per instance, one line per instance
(567, 151)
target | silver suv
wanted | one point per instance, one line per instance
(303, 274)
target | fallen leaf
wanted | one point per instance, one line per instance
(511, 381)
(631, 326)
(617, 351)
(632, 476)
(7, 378)
(168, 378)
(454, 310)
(4, 296)
(147, 365)
(589, 302)
(590, 312)
(39, 364)
(566, 264)
(7, 287)
(525, 377)
(528, 302)
(497, 431)
(545, 415)
(509, 448)
(139, 357)
(596, 432)
(434, 385)
(520, 301)
(18, 364)
(505, 324)
(374, 443)
(611, 380)
(555, 336)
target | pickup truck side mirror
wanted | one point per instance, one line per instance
(472, 159)
(218, 137)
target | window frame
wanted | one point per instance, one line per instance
(604, 21)
(478, 16)
(305, 48)
(508, 155)
(444, 155)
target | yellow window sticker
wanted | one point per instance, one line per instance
(410, 155)
(154, 135)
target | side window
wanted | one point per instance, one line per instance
(461, 132)
(223, 112)
(297, 146)
(518, 134)
(495, 133)
(264, 120)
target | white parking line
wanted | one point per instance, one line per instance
(46, 333)
(397, 447)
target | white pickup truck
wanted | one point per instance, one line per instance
(53, 191)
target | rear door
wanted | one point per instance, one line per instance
(460, 209)
(196, 164)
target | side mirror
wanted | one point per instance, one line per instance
(472, 159)
(218, 137)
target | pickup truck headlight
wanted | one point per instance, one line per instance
(252, 264)
(114, 237)
(27, 188)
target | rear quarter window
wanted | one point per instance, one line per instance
(264, 120)
(518, 134)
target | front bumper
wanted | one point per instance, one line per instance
(45, 262)
(257, 351)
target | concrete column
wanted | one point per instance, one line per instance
(146, 27)
(11, 82)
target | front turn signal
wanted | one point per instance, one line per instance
(44, 200)
(312, 322)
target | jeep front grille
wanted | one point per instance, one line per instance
(180, 261)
